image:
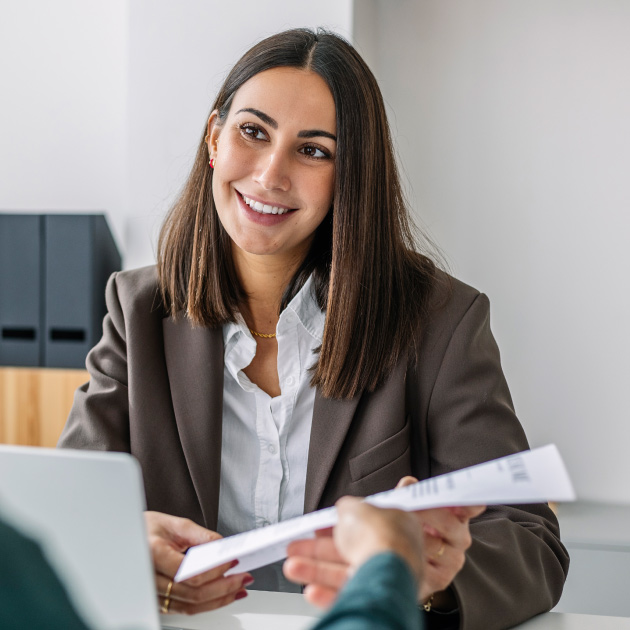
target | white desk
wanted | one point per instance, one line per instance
(286, 611)
(597, 536)
(260, 610)
(569, 621)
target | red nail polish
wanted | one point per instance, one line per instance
(233, 564)
(248, 580)
(241, 594)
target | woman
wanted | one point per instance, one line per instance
(291, 347)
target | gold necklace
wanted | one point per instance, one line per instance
(263, 335)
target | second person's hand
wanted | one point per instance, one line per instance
(318, 564)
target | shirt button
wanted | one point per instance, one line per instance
(290, 380)
(272, 449)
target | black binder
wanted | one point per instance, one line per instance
(21, 278)
(80, 255)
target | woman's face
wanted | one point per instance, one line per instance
(275, 162)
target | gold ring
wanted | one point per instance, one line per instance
(441, 550)
(167, 598)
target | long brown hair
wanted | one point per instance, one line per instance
(368, 277)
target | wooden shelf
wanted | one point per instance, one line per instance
(35, 403)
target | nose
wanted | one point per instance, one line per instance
(273, 172)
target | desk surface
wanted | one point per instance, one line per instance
(287, 611)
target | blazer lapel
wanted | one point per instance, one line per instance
(331, 421)
(194, 360)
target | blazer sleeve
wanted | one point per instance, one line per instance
(99, 419)
(516, 566)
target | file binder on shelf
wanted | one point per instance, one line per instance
(80, 256)
(21, 269)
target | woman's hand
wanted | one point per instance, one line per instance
(446, 539)
(169, 538)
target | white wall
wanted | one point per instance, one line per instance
(512, 122)
(103, 102)
(62, 110)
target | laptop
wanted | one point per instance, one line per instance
(85, 509)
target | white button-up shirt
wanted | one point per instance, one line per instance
(264, 449)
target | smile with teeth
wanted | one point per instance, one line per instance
(263, 208)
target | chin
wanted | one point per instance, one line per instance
(259, 249)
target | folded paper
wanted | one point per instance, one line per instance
(532, 476)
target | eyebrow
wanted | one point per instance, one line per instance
(307, 133)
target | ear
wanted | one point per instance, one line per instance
(212, 135)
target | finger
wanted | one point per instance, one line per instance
(406, 481)
(323, 533)
(181, 533)
(322, 548)
(187, 533)
(468, 512)
(320, 596)
(217, 589)
(211, 575)
(442, 523)
(309, 571)
(455, 535)
(165, 559)
(440, 571)
(434, 547)
(184, 608)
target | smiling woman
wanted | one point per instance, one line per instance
(293, 346)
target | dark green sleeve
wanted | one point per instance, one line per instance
(31, 595)
(381, 596)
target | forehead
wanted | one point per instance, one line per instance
(291, 96)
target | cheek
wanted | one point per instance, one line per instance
(233, 162)
(319, 190)
(327, 189)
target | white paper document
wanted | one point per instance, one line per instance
(532, 476)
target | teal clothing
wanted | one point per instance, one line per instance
(380, 596)
(31, 595)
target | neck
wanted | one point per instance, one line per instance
(264, 280)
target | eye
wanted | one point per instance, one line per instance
(315, 152)
(252, 131)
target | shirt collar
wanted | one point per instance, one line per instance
(304, 306)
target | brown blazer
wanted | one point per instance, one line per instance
(156, 391)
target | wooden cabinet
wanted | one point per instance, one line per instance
(35, 402)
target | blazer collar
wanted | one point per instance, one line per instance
(331, 421)
(194, 360)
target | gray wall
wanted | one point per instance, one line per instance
(512, 122)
